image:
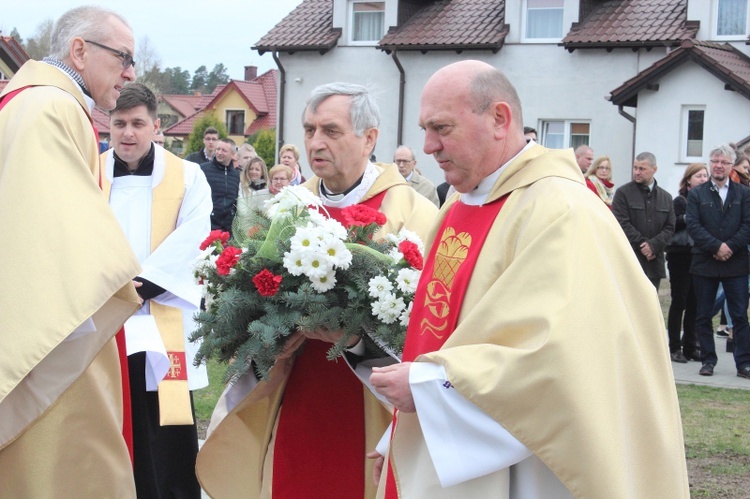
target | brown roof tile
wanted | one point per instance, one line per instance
(450, 25)
(183, 104)
(308, 27)
(722, 60)
(632, 23)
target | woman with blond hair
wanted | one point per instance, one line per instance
(281, 176)
(600, 175)
(681, 284)
(253, 187)
(289, 156)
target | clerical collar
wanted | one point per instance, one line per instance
(340, 195)
(479, 195)
(144, 169)
(70, 72)
(354, 194)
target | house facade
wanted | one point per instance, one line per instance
(245, 107)
(570, 60)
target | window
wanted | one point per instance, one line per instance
(693, 122)
(564, 134)
(731, 18)
(368, 22)
(236, 122)
(544, 19)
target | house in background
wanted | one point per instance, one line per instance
(597, 72)
(172, 108)
(246, 107)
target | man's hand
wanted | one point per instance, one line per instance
(724, 253)
(330, 336)
(392, 382)
(136, 285)
(646, 251)
(294, 341)
(377, 467)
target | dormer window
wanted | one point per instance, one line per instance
(544, 20)
(731, 18)
(368, 22)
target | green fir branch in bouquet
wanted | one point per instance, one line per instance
(291, 268)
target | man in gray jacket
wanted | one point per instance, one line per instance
(646, 215)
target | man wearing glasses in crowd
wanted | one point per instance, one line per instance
(61, 384)
(718, 220)
(406, 161)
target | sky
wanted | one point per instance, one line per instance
(185, 34)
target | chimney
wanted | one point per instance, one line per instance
(251, 72)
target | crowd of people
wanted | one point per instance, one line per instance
(510, 383)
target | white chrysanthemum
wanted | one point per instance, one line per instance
(305, 239)
(395, 254)
(291, 200)
(406, 315)
(388, 308)
(407, 235)
(325, 282)
(293, 262)
(379, 286)
(315, 265)
(337, 252)
(334, 228)
(407, 279)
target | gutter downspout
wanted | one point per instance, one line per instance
(633, 121)
(401, 86)
(282, 94)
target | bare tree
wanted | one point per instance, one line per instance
(146, 58)
(38, 45)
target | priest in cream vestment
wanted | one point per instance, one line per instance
(67, 271)
(313, 445)
(513, 384)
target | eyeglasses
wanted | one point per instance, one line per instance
(603, 168)
(127, 59)
(723, 163)
(277, 179)
(403, 161)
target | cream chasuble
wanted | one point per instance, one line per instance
(588, 390)
(68, 265)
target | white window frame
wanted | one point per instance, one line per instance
(226, 121)
(566, 135)
(715, 23)
(684, 122)
(350, 15)
(524, 21)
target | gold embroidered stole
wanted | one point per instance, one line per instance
(174, 394)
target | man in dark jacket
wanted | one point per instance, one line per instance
(224, 180)
(718, 220)
(646, 215)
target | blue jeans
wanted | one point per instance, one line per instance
(736, 292)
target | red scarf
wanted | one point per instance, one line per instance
(320, 439)
(442, 287)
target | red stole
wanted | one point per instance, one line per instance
(127, 425)
(320, 439)
(442, 287)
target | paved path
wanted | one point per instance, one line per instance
(725, 372)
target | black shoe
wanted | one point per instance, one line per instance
(693, 356)
(722, 333)
(707, 370)
(730, 345)
(744, 372)
(678, 357)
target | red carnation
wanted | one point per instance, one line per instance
(228, 258)
(266, 283)
(213, 236)
(411, 254)
(362, 216)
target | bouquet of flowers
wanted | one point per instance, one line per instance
(294, 269)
